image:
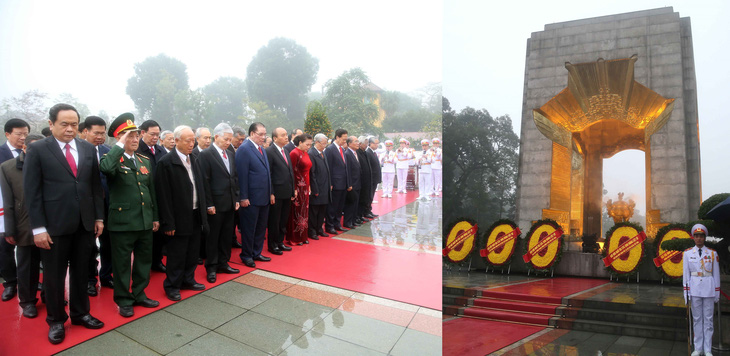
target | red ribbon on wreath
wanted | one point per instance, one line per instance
(664, 257)
(500, 242)
(459, 239)
(542, 244)
(623, 248)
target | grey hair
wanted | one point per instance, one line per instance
(199, 132)
(320, 137)
(350, 139)
(165, 133)
(372, 139)
(362, 139)
(238, 131)
(221, 129)
(177, 133)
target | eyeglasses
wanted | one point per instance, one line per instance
(19, 134)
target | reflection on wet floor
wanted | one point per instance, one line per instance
(415, 227)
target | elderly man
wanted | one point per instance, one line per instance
(290, 145)
(340, 180)
(239, 135)
(354, 172)
(203, 139)
(181, 200)
(149, 147)
(366, 181)
(701, 281)
(220, 180)
(65, 204)
(282, 179)
(373, 143)
(132, 215)
(167, 140)
(319, 183)
(256, 194)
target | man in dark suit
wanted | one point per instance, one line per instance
(239, 135)
(366, 181)
(256, 194)
(282, 178)
(319, 183)
(340, 180)
(354, 172)
(16, 130)
(181, 204)
(377, 173)
(221, 195)
(95, 128)
(290, 146)
(202, 140)
(150, 148)
(61, 175)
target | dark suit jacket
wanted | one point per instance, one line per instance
(289, 147)
(353, 167)
(54, 197)
(17, 223)
(196, 151)
(175, 195)
(375, 166)
(339, 175)
(221, 187)
(254, 178)
(144, 150)
(319, 179)
(366, 179)
(104, 149)
(282, 175)
(5, 153)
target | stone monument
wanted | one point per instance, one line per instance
(595, 87)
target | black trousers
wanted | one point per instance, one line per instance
(316, 219)
(182, 256)
(159, 239)
(351, 207)
(105, 255)
(335, 209)
(365, 202)
(278, 218)
(72, 252)
(253, 230)
(219, 240)
(29, 263)
(7, 264)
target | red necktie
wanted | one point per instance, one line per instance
(70, 159)
(342, 154)
(284, 155)
(224, 155)
(152, 149)
(260, 151)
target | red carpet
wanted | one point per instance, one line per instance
(386, 205)
(549, 290)
(23, 336)
(465, 336)
(513, 305)
(538, 319)
(407, 276)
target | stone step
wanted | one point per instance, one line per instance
(633, 318)
(515, 305)
(624, 329)
(637, 307)
(508, 315)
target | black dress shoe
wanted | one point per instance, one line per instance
(315, 237)
(211, 277)
(349, 227)
(9, 292)
(88, 322)
(236, 244)
(30, 311)
(370, 216)
(284, 247)
(329, 231)
(40, 286)
(343, 228)
(306, 242)
(228, 270)
(56, 333)
(358, 222)
(159, 267)
(249, 263)
(193, 286)
(126, 311)
(108, 284)
(200, 261)
(274, 251)
(148, 303)
(91, 290)
(262, 258)
(173, 295)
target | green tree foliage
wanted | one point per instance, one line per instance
(259, 111)
(710, 203)
(193, 108)
(349, 103)
(31, 106)
(227, 96)
(397, 103)
(480, 165)
(317, 121)
(281, 74)
(156, 86)
(409, 121)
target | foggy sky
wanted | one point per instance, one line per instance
(89, 48)
(484, 65)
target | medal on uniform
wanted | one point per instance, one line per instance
(144, 170)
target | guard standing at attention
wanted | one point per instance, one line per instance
(701, 280)
(132, 215)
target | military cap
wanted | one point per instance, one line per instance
(425, 142)
(699, 228)
(389, 142)
(123, 122)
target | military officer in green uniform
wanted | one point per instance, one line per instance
(132, 215)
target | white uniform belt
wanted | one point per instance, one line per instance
(699, 274)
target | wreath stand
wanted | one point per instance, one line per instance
(501, 269)
(552, 271)
(610, 278)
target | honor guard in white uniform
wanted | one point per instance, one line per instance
(425, 182)
(436, 167)
(701, 281)
(387, 160)
(403, 155)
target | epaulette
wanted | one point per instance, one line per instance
(143, 156)
(689, 249)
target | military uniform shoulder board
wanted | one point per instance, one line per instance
(688, 249)
(143, 156)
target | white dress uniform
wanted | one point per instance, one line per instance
(387, 160)
(401, 165)
(701, 278)
(425, 184)
(436, 170)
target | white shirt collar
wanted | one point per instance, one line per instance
(10, 147)
(63, 144)
(254, 143)
(277, 146)
(182, 156)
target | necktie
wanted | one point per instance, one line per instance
(19, 150)
(342, 153)
(284, 155)
(187, 159)
(70, 159)
(152, 149)
(700, 250)
(224, 155)
(260, 151)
